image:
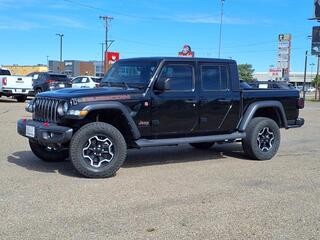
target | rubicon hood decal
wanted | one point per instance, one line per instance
(104, 98)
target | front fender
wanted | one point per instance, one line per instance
(115, 106)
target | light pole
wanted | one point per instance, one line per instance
(221, 22)
(61, 37)
(312, 66)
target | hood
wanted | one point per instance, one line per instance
(69, 93)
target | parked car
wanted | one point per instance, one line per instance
(311, 89)
(271, 84)
(86, 82)
(43, 82)
(154, 102)
(18, 87)
(244, 85)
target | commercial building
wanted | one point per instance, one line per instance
(296, 78)
(25, 70)
(73, 68)
(98, 68)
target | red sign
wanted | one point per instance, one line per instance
(186, 52)
(112, 57)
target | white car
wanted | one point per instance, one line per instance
(311, 89)
(86, 82)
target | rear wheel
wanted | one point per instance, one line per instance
(98, 150)
(203, 146)
(38, 90)
(48, 154)
(21, 98)
(262, 139)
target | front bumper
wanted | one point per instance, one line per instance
(45, 133)
(299, 122)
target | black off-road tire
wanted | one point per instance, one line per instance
(47, 155)
(21, 98)
(202, 146)
(81, 138)
(250, 143)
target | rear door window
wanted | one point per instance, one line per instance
(214, 77)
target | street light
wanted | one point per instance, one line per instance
(61, 37)
(312, 66)
(221, 22)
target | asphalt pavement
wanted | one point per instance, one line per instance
(164, 193)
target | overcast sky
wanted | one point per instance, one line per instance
(153, 28)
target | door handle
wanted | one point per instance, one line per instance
(224, 100)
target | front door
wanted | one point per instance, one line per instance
(175, 111)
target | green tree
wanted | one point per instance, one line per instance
(316, 83)
(246, 72)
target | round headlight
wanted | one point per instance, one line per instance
(30, 107)
(60, 109)
(65, 107)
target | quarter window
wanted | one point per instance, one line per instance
(214, 77)
(181, 77)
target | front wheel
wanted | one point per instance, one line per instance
(262, 139)
(98, 150)
(48, 154)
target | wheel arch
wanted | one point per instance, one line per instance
(270, 109)
(115, 114)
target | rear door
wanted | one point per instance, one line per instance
(175, 111)
(219, 105)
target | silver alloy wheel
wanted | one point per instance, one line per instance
(98, 150)
(265, 139)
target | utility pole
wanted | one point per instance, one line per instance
(305, 75)
(318, 70)
(221, 22)
(61, 38)
(102, 59)
(312, 66)
(107, 20)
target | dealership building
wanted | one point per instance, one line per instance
(296, 78)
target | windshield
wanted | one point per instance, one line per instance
(130, 74)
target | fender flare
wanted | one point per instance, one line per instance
(254, 107)
(120, 107)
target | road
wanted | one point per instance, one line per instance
(164, 193)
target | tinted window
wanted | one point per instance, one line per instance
(4, 72)
(58, 78)
(81, 80)
(96, 80)
(181, 77)
(130, 73)
(214, 77)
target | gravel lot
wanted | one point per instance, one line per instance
(164, 193)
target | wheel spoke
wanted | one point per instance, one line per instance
(265, 139)
(98, 150)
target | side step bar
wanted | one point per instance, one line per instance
(175, 141)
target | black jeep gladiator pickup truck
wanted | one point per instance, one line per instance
(149, 102)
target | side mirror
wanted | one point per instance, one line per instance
(163, 85)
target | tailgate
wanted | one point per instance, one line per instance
(18, 82)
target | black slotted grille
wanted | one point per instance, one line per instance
(46, 109)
